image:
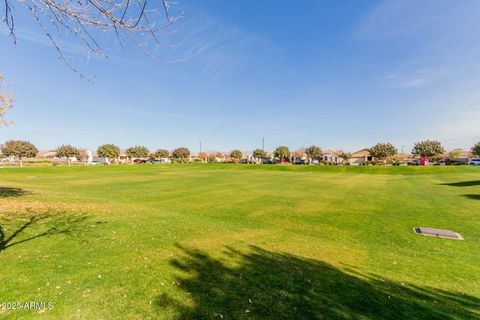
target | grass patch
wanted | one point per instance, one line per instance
(240, 241)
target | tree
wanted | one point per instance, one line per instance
(109, 151)
(161, 154)
(313, 152)
(346, 156)
(19, 149)
(181, 153)
(259, 154)
(133, 23)
(455, 153)
(82, 154)
(6, 102)
(428, 148)
(383, 150)
(476, 149)
(236, 155)
(137, 152)
(67, 151)
(282, 153)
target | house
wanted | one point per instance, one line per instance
(215, 156)
(123, 158)
(47, 154)
(361, 157)
(331, 156)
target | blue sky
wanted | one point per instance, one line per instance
(338, 74)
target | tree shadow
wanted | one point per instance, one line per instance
(269, 285)
(472, 196)
(7, 192)
(27, 227)
(463, 183)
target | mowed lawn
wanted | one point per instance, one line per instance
(239, 242)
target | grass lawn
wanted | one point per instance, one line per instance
(239, 242)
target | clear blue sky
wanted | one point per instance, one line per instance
(339, 74)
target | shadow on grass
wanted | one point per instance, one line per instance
(27, 227)
(268, 285)
(472, 196)
(6, 192)
(463, 183)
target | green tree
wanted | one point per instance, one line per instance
(137, 152)
(282, 153)
(346, 156)
(383, 150)
(428, 148)
(259, 154)
(236, 155)
(161, 154)
(19, 149)
(109, 151)
(313, 152)
(476, 149)
(181, 154)
(67, 151)
(455, 153)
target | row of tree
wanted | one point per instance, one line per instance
(24, 149)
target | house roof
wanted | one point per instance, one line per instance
(46, 153)
(330, 152)
(361, 153)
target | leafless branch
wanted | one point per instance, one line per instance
(130, 20)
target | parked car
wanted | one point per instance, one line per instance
(474, 162)
(299, 162)
(442, 161)
(414, 162)
(139, 161)
(267, 161)
(452, 161)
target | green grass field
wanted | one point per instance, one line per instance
(239, 242)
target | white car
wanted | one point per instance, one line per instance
(474, 162)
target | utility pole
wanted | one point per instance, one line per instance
(263, 144)
(200, 143)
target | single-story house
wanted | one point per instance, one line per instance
(331, 156)
(361, 157)
(123, 158)
(47, 154)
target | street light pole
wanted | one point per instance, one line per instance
(200, 143)
(263, 144)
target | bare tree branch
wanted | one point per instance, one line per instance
(130, 21)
